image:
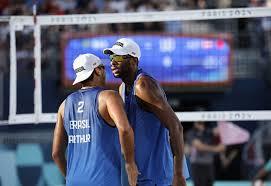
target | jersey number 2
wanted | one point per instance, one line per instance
(80, 106)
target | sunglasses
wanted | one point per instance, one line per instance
(118, 57)
(101, 66)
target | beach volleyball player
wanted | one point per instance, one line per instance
(91, 124)
(158, 131)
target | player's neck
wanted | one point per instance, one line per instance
(87, 87)
(92, 85)
(130, 78)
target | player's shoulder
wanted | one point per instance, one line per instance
(72, 94)
(121, 87)
(109, 94)
(146, 82)
(62, 107)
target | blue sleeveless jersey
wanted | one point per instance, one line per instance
(93, 152)
(153, 153)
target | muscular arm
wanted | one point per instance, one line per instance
(60, 142)
(152, 98)
(117, 115)
(120, 88)
(204, 147)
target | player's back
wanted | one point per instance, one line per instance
(93, 154)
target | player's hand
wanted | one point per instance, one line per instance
(132, 173)
(220, 148)
(178, 180)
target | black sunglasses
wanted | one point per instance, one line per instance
(101, 66)
(118, 57)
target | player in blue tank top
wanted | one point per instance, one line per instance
(92, 130)
(158, 132)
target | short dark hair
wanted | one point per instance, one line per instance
(90, 78)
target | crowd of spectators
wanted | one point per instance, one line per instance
(212, 160)
(59, 7)
(243, 31)
(246, 34)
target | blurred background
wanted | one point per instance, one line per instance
(207, 65)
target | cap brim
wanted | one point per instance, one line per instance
(117, 51)
(82, 77)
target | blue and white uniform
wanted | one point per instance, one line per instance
(93, 152)
(153, 153)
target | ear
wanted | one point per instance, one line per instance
(98, 71)
(135, 61)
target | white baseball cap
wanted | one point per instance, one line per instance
(84, 65)
(124, 46)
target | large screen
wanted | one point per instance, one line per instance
(172, 59)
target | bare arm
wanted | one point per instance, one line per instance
(117, 113)
(121, 88)
(60, 142)
(208, 148)
(112, 110)
(151, 96)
